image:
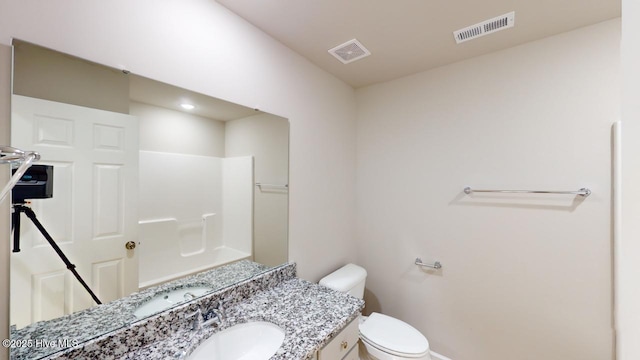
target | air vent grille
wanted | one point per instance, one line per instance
(350, 51)
(486, 27)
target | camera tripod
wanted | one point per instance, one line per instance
(22, 208)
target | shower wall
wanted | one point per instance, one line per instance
(195, 205)
(195, 213)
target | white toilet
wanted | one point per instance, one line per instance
(384, 337)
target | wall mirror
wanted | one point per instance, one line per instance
(151, 185)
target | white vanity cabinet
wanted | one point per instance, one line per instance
(343, 346)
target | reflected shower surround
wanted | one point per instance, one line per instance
(203, 218)
(11, 155)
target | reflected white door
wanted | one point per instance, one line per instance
(92, 215)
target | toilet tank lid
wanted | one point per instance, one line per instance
(345, 278)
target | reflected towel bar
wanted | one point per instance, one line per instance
(14, 156)
(285, 186)
(435, 265)
(582, 192)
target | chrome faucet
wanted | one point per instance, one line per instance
(218, 318)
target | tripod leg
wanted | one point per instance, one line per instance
(15, 226)
(31, 215)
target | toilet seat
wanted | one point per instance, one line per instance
(393, 336)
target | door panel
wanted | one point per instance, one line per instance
(108, 200)
(92, 214)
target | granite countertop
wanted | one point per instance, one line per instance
(93, 322)
(309, 313)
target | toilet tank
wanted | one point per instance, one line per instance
(348, 279)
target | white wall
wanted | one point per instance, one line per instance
(5, 132)
(237, 199)
(266, 137)
(525, 276)
(628, 246)
(165, 130)
(202, 46)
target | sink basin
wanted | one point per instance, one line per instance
(256, 340)
(166, 300)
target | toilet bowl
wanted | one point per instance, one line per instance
(387, 338)
(383, 337)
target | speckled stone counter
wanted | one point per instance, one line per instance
(106, 318)
(309, 313)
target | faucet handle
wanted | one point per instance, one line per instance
(197, 322)
(197, 313)
(220, 312)
(217, 316)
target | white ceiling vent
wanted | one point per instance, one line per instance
(486, 27)
(350, 51)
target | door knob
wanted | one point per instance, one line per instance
(130, 245)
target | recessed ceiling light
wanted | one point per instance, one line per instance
(187, 106)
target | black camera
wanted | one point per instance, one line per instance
(36, 183)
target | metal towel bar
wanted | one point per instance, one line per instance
(435, 265)
(582, 192)
(11, 155)
(285, 186)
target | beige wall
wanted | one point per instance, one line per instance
(49, 75)
(5, 132)
(628, 241)
(173, 131)
(524, 276)
(266, 137)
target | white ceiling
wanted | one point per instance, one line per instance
(409, 36)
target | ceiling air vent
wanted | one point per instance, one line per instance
(486, 27)
(350, 51)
